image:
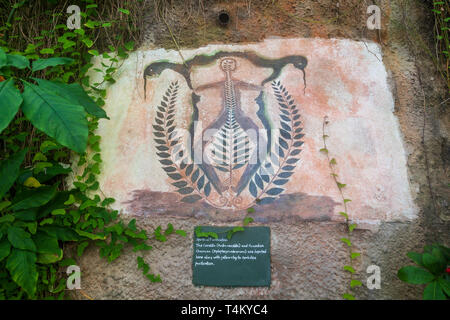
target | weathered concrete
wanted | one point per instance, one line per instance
(344, 81)
(307, 256)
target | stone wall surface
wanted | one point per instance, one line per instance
(372, 86)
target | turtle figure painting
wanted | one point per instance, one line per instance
(208, 133)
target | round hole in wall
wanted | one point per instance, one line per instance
(224, 18)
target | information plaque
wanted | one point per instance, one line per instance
(242, 261)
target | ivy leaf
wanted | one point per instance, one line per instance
(11, 101)
(132, 225)
(89, 235)
(414, 275)
(355, 283)
(354, 255)
(348, 296)
(50, 62)
(344, 214)
(21, 265)
(349, 269)
(88, 42)
(248, 220)
(233, 231)
(61, 119)
(346, 241)
(169, 229)
(81, 247)
(70, 201)
(47, 51)
(58, 212)
(129, 45)
(181, 233)
(340, 185)
(20, 239)
(9, 171)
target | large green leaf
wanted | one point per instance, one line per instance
(433, 291)
(47, 258)
(62, 233)
(19, 62)
(73, 92)
(33, 198)
(416, 257)
(9, 171)
(50, 62)
(10, 102)
(48, 248)
(414, 275)
(445, 285)
(61, 119)
(433, 262)
(22, 268)
(3, 58)
(46, 243)
(5, 248)
(26, 215)
(56, 203)
(20, 239)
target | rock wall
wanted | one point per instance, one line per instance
(399, 187)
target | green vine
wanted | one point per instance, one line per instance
(50, 112)
(349, 225)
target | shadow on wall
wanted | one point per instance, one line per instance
(288, 208)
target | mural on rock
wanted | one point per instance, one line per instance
(235, 153)
(210, 132)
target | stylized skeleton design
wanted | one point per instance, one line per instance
(231, 155)
(236, 137)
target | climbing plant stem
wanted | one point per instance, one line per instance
(349, 226)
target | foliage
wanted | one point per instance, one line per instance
(432, 270)
(49, 113)
(441, 12)
(230, 232)
(349, 226)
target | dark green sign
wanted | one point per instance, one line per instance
(242, 261)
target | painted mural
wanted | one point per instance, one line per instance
(235, 153)
(208, 133)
